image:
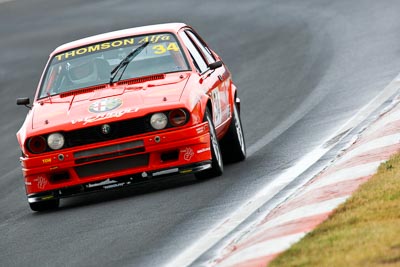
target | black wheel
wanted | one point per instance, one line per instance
(217, 165)
(45, 205)
(233, 144)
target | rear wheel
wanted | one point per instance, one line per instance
(233, 144)
(45, 205)
(217, 165)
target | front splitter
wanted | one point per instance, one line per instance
(115, 183)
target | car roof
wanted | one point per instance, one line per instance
(167, 27)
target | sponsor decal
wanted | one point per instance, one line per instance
(114, 185)
(41, 182)
(188, 153)
(203, 150)
(120, 43)
(104, 116)
(95, 48)
(103, 183)
(105, 105)
(200, 129)
(164, 172)
(155, 38)
(46, 161)
(186, 171)
(215, 96)
(228, 111)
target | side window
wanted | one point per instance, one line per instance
(206, 51)
(199, 61)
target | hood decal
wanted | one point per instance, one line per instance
(105, 105)
(105, 116)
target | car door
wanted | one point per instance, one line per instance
(215, 81)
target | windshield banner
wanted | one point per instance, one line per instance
(111, 45)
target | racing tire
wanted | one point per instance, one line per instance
(233, 144)
(217, 164)
(45, 205)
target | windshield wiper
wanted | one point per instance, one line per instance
(124, 63)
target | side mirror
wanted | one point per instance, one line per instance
(23, 101)
(215, 65)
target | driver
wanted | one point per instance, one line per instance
(81, 71)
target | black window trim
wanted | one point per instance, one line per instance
(199, 48)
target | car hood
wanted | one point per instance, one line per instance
(109, 103)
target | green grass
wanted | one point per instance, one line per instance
(364, 231)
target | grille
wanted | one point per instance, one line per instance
(94, 134)
(109, 149)
(109, 156)
(113, 165)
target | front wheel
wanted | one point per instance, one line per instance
(217, 165)
(45, 205)
(233, 144)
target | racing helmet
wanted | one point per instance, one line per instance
(82, 70)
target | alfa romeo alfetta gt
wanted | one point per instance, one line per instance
(126, 106)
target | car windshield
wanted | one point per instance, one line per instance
(91, 65)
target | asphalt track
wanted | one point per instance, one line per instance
(303, 69)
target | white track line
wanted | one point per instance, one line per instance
(273, 246)
(381, 123)
(305, 211)
(343, 175)
(369, 146)
(279, 244)
(301, 212)
(227, 225)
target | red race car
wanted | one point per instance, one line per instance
(123, 107)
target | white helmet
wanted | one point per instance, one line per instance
(82, 71)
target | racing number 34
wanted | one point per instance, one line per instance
(161, 49)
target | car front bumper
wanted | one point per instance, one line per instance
(116, 163)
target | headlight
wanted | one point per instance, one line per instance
(37, 144)
(55, 141)
(177, 117)
(158, 121)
